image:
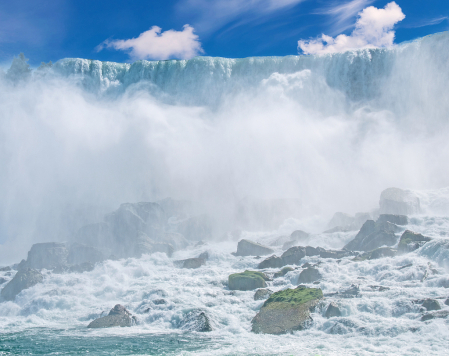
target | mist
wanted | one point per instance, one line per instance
(330, 131)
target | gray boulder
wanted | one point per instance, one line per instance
(309, 275)
(271, 262)
(394, 219)
(293, 255)
(248, 280)
(192, 263)
(23, 279)
(262, 294)
(118, 316)
(299, 235)
(398, 201)
(283, 272)
(47, 255)
(411, 241)
(351, 292)
(371, 237)
(333, 311)
(196, 320)
(429, 304)
(250, 248)
(287, 311)
(435, 315)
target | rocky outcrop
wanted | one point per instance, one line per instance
(23, 279)
(118, 316)
(309, 275)
(286, 311)
(373, 235)
(250, 248)
(196, 320)
(398, 201)
(262, 294)
(271, 262)
(47, 255)
(248, 280)
(293, 255)
(333, 310)
(411, 241)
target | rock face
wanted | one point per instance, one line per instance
(293, 255)
(309, 275)
(118, 316)
(333, 310)
(411, 241)
(250, 248)
(196, 320)
(79, 254)
(286, 311)
(47, 255)
(373, 235)
(248, 280)
(271, 262)
(23, 279)
(262, 294)
(398, 201)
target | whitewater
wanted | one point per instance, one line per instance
(322, 133)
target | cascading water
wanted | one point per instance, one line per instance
(330, 132)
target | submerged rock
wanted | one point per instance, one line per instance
(411, 241)
(435, 315)
(429, 304)
(333, 310)
(196, 320)
(286, 311)
(23, 279)
(309, 275)
(250, 248)
(193, 263)
(118, 316)
(248, 280)
(351, 292)
(271, 262)
(398, 201)
(263, 293)
(283, 272)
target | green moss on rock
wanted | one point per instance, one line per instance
(291, 298)
(411, 241)
(248, 280)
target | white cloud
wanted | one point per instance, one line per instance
(373, 29)
(211, 15)
(155, 44)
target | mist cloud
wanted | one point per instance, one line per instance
(157, 45)
(373, 29)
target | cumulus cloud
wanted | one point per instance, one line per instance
(373, 29)
(155, 44)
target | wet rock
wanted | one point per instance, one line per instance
(379, 288)
(336, 254)
(23, 279)
(429, 304)
(193, 263)
(82, 267)
(5, 269)
(332, 310)
(196, 320)
(159, 302)
(47, 255)
(411, 241)
(262, 294)
(377, 253)
(2, 280)
(309, 275)
(293, 255)
(351, 292)
(283, 272)
(399, 202)
(370, 237)
(447, 301)
(313, 251)
(118, 316)
(271, 262)
(289, 244)
(204, 256)
(435, 315)
(248, 280)
(299, 235)
(394, 219)
(79, 254)
(250, 248)
(286, 311)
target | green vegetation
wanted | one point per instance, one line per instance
(409, 237)
(247, 280)
(292, 297)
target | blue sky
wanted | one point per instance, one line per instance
(53, 29)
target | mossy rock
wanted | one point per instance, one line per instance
(283, 272)
(248, 280)
(286, 311)
(411, 241)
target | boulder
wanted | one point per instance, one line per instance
(193, 263)
(447, 301)
(196, 320)
(309, 275)
(411, 241)
(250, 248)
(47, 255)
(293, 255)
(394, 219)
(118, 316)
(351, 292)
(377, 253)
(286, 311)
(333, 310)
(371, 237)
(262, 294)
(429, 304)
(271, 262)
(299, 235)
(24, 279)
(79, 254)
(398, 201)
(336, 254)
(204, 255)
(283, 272)
(248, 280)
(2, 280)
(435, 315)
